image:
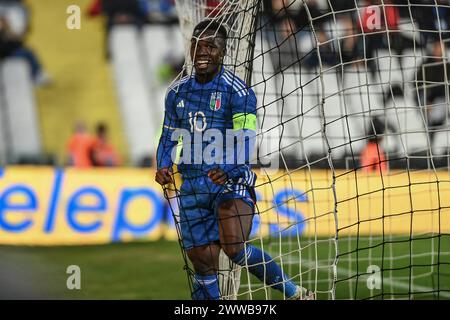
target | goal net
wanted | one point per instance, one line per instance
(353, 136)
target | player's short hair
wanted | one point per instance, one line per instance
(210, 25)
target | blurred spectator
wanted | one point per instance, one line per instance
(398, 42)
(125, 12)
(441, 19)
(95, 8)
(372, 157)
(80, 147)
(17, 14)
(391, 20)
(392, 15)
(432, 82)
(104, 154)
(339, 5)
(302, 17)
(162, 11)
(145, 11)
(431, 16)
(11, 45)
(292, 25)
(328, 49)
(213, 8)
(119, 12)
(372, 38)
(281, 32)
(283, 14)
(349, 43)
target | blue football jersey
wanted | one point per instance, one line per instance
(225, 104)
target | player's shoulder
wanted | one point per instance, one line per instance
(236, 84)
(177, 85)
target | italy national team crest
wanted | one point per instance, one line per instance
(216, 101)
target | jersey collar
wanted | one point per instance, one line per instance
(212, 82)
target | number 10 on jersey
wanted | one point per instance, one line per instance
(197, 124)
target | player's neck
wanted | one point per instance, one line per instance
(205, 78)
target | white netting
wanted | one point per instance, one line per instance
(340, 83)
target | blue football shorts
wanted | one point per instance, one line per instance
(199, 199)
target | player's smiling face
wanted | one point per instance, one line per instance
(207, 52)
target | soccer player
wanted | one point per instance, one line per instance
(216, 201)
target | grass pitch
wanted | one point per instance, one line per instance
(151, 270)
(154, 270)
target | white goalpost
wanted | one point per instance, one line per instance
(238, 17)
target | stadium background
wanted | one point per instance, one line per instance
(113, 222)
(82, 88)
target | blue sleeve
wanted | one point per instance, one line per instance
(244, 101)
(166, 145)
(244, 130)
(144, 7)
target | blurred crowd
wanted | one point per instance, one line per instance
(350, 34)
(86, 150)
(288, 23)
(14, 28)
(137, 12)
(132, 12)
(360, 32)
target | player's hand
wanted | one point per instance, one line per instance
(218, 176)
(164, 176)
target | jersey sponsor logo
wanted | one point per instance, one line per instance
(180, 104)
(216, 101)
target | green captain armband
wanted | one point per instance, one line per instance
(244, 121)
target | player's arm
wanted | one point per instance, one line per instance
(166, 144)
(244, 130)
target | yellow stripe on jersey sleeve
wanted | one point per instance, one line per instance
(244, 121)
